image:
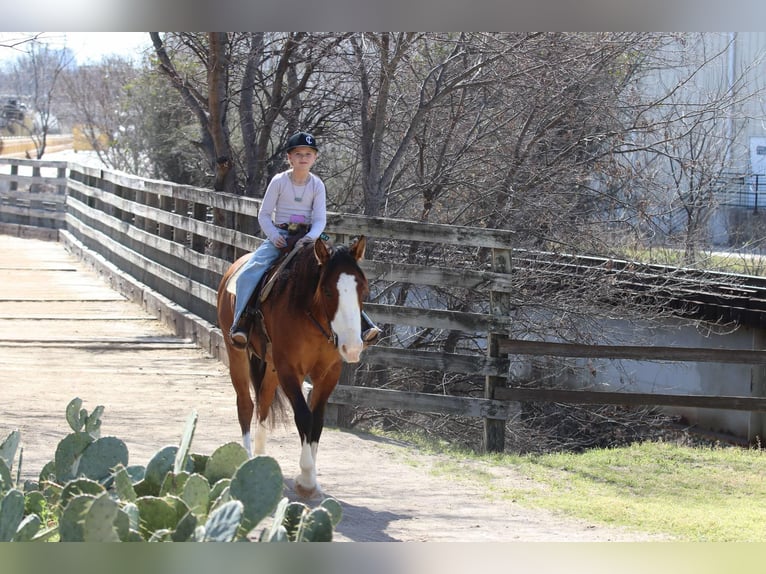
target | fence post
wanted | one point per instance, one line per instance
(14, 186)
(499, 304)
(199, 242)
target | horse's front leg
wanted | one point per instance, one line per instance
(306, 484)
(324, 381)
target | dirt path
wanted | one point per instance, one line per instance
(65, 334)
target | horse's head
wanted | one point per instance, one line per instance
(342, 288)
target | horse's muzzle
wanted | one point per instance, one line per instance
(350, 353)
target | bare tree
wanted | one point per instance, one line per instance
(37, 75)
(208, 99)
(285, 87)
(268, 80)
(681, 147)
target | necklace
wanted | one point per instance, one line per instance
(305, 184)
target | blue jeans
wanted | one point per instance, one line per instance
(253, 270)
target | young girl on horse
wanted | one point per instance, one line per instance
(293, 198)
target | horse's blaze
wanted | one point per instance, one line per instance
(347, 323)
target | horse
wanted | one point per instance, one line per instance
(307, 326)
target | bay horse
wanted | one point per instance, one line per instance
(307, 326)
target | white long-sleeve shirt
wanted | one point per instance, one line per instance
(284, 199)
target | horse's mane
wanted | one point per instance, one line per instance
(300, 278)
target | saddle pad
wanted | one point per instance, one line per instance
(231, 284)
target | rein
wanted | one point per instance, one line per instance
(331, 337)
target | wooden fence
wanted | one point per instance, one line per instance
(32, 193)
(164, 235)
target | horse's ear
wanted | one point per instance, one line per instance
(320, 252)
(358, 247)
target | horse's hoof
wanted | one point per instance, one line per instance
(307, 493)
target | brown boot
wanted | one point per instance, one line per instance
(370, 331)
(239, 339)
(239, 334)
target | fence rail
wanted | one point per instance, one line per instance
(178, 241)
(33, 193)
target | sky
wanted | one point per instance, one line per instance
(88, 47)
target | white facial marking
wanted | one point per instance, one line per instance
(347, 321)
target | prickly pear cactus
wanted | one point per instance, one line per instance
(257, 483)
(316, 526)
(196, 494)
(9, 447)
(179, 463)
(303, 524)
(11, 514)
(101, 457)
(80, 486)
(89, 493)
(155, 514)
(224, 522)
(99, 523)
(93, 422)
(6, 479)
(334, 508)
(224, 461)
(277, 532)
(160, 464)
(292, 519)
(73, 518)
(28, 528)
(76, 415)
(123, 485)
(68, 455)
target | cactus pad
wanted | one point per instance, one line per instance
(258, 484)
(224, 461)
(101, 457)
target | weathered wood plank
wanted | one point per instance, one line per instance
(541, 348)
(437, 276)
(631, 399)
(435, 361)
(186, 284)
(173, 220)
(27, 180)
(438, 318)
(420, 402)
(183, 255)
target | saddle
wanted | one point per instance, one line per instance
(252, 311)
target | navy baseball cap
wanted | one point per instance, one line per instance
(301, 139)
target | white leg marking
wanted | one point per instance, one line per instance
(248, 444)
(308, 476)
(347, 321)
(261, 432)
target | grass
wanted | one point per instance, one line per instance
(688, 493)
(728, 263)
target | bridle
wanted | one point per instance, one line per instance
(331, 337)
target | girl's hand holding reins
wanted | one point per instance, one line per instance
(279, 241)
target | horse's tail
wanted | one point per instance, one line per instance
(278, 406)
